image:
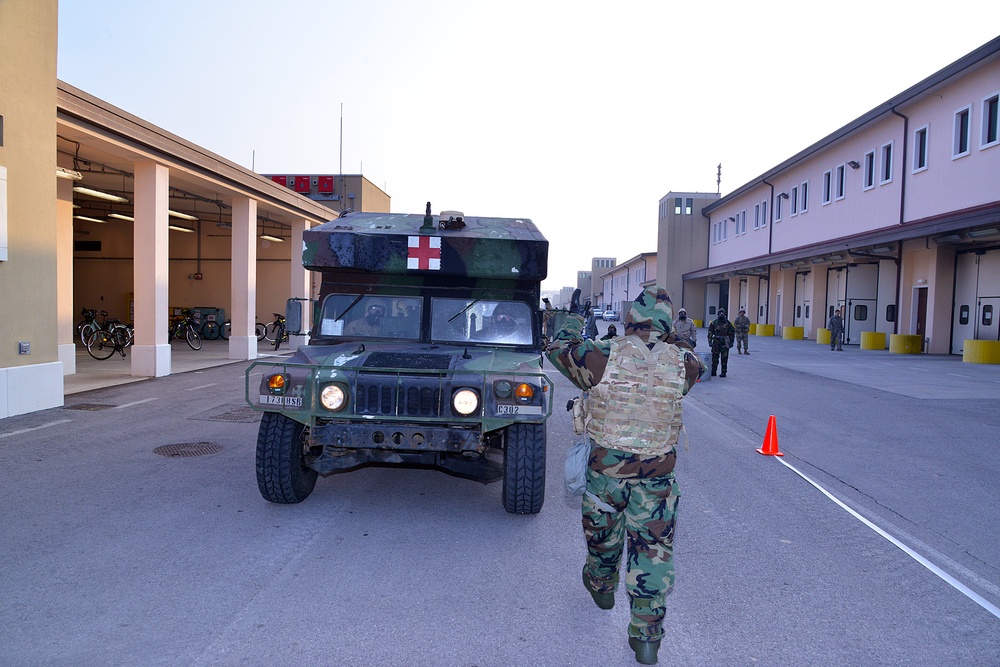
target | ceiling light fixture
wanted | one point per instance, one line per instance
(179, 228)
(182, 216)
(119, 216)
(982, 233)
(100, 195)
(89, 219)
(269, 237)
(68, 174)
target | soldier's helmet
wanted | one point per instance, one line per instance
(722, 313)
(651, 315)
(743, 311)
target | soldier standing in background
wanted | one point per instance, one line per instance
(742, 326)
(720, 337)
(685, 329)
(836, 327)
(634, 386)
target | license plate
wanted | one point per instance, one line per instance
(292, 401)
(519, 409)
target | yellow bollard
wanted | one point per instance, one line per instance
(873, 340)
(765, 329)
(793, 333)
(981, 351)
(905, 344)
(823, 336)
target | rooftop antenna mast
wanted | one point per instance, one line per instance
(718, 178)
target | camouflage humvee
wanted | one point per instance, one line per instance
(425, 348)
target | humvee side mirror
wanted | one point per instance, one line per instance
(294, 316)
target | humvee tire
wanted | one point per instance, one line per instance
(524, 469)
(281, 475)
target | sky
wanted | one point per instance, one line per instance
(577, 114)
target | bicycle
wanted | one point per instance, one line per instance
(227, 328)
(185, 327)
(89, 324)
(275, 331)
(102, 344)
(211, 330)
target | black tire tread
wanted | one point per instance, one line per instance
(524, 469)
(281, 477)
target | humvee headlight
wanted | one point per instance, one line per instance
(276, 383)
(503, 389)
(333, 397)
(524, 391)
(465, 401)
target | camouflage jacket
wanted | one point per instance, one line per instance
(721, 333)
(583, 361)
(741, 324)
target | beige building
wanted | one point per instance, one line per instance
(625, 281)
(682, 246)
(100, 209)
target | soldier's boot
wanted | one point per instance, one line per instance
(746, 351)
(723, 373)
(602, 600)
(645, 651)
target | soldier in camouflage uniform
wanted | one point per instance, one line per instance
(720, 336)
(742, 326)
(836, 327)
(630, 493)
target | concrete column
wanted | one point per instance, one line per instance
(753, 299)
(242, 339)
(301, 281)
(66, 320)
(151, 352)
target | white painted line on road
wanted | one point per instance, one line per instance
(128, 405)
(210, 384)
(35, 428)
(917, 368)
(956, 375)
(950, 580)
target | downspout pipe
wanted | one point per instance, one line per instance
(770, 222)
(902, 179)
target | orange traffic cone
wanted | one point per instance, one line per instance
(770, 447)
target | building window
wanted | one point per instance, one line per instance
(777, 208)
(688, 206)
(841, 181)
(990, 137)
(794, 204)
(827, 187)
(756, 216)
(743, 222)
(725, 229)
(763, 213)
(920, 149)
(869, 170)
(960, 144)
(885, 176)
(804, 197)
(677, 206)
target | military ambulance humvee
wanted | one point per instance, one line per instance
(424, 349)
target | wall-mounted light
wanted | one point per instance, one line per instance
(90, 192)
(732, 218)
(853, 164)
(269, 237)
(783, 195)
(921, 281)
(179, 228)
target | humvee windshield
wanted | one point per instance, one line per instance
(453, 320)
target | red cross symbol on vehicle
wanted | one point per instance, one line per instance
(424, 253)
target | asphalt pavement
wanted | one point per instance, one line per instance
(133, 533)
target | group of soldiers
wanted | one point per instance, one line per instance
(722, 334)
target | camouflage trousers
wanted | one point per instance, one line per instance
(644, 512)
(742, 339)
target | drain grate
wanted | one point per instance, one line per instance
(92, 407)
(188, 449)
(246, 414)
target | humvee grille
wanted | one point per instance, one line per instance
(411, 398)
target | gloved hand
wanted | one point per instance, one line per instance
(575, 307)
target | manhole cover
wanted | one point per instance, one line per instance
(93, 407)
(188, 449)
(246, 414)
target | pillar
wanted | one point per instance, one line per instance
(151, 270)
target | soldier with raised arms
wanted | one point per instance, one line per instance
(634, 386)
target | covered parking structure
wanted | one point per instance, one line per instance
(148, 222)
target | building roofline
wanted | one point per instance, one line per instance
(984, 53)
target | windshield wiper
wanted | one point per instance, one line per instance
(464, 310)
(348, 309)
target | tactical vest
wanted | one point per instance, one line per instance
(636, 407)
